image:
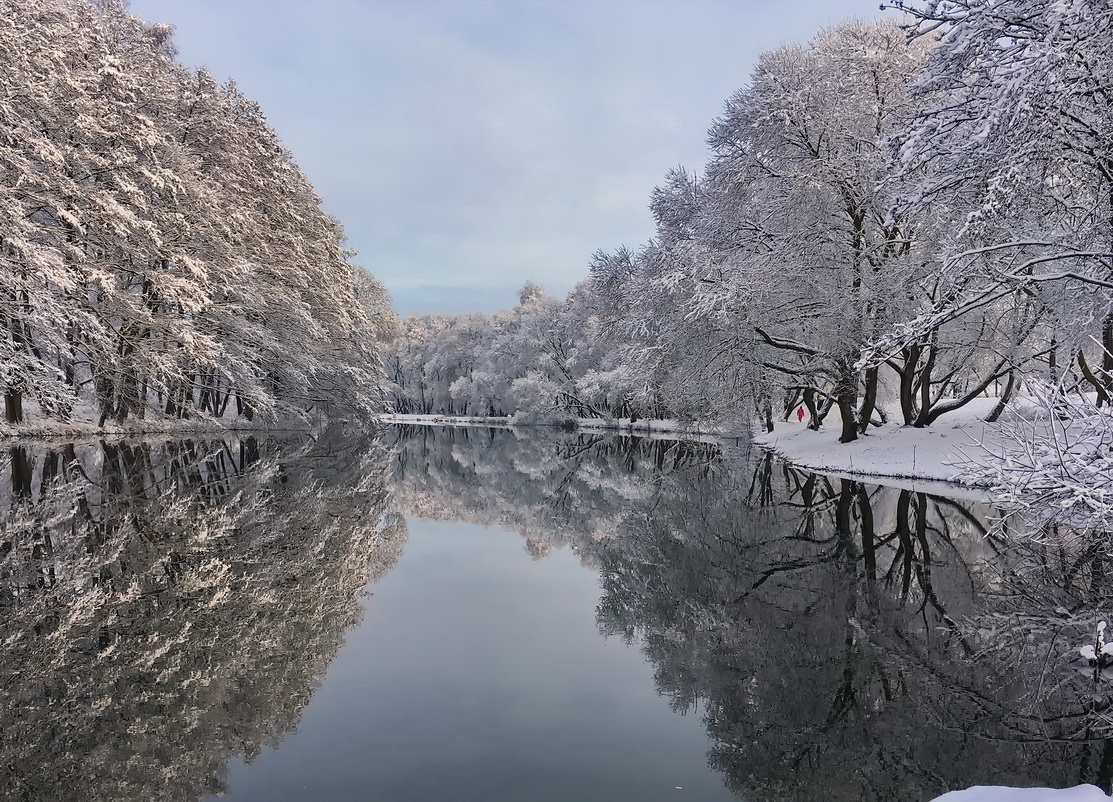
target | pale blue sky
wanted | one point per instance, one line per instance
(470, 146)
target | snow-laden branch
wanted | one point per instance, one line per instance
(1054, 465)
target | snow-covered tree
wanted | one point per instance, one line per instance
(1012, 154)
(801, 250)
(162, 254)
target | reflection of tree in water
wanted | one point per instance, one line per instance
(168, 606)
(842, 641)
(554, 489)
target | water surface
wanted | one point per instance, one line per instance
(471, 614)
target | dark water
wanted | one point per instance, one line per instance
(556, 618)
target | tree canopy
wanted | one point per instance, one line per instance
(162, 254)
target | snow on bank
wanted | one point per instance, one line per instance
(987, 793)
(446, 420)
(937, 453)
(77, 429)
(83, 425)
(930, 459)
(669, 429)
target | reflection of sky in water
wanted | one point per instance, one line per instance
(480, 674)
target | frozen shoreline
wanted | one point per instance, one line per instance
(934, 454)
(664, 429)
(925, 459)
(985, 793)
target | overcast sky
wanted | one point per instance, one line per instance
(470, 146)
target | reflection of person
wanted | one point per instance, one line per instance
(800, 414)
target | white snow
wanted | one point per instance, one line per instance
(934, 453)
(996, 793)
(446, 420)
(644, 427)
(925, 459)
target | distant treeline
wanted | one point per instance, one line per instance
(161, 255)
(895, 219)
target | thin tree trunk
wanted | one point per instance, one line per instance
(1004, 400)
(869, 400)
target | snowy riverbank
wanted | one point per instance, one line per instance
(644, 427)
(446, 420)
(83, 424)
(1080, 793)
(937, 453)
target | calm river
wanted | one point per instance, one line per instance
(472, 614)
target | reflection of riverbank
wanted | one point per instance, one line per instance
(840, 640)
(170, 605)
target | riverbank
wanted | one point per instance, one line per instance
(446, 420)
(83, 424)
(940, 452)
(934, 454)
(140, 428)
(644, 427)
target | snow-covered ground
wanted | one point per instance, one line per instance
(446, 420)
(899, 454)
(644, 427)
(936, 453)
(984, 793)
(83, 423)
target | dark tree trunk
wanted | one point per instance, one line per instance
(869, 400)
(923, 416)
(1010, 385)
(13, 405)
(767, 410)
(908, 383)
(846, 398)
(1095, 382)
(1107, 355)
(813, 413)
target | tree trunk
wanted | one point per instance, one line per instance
(813, 413)
(1004, 400)
(923, 415)
(869, 400)
(846, 397)
(767, 410)
(1095, 382)
(1107, 356)
(907, 384)
(13, 405)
